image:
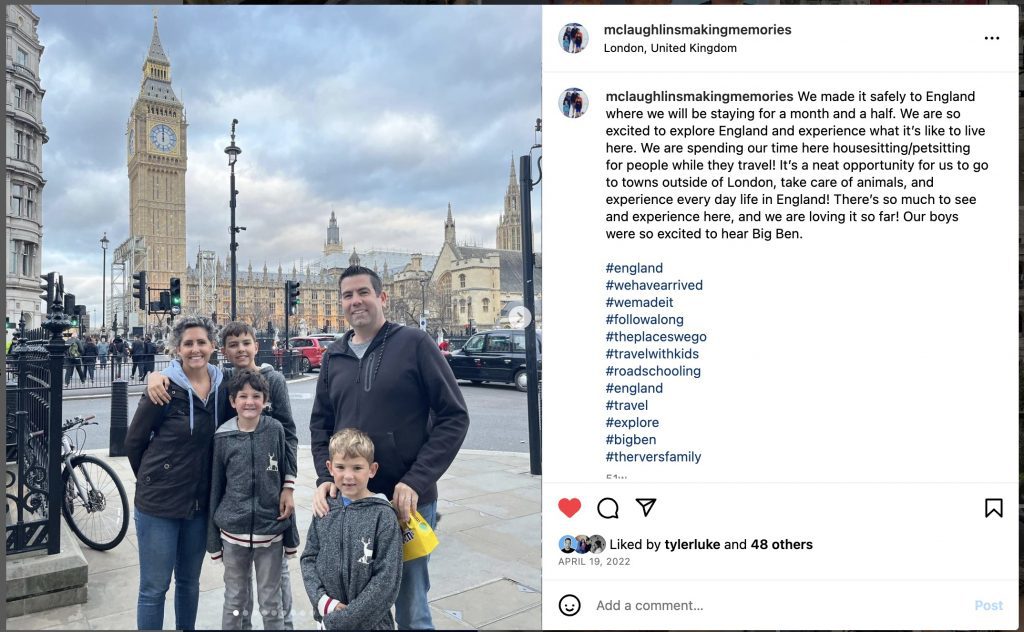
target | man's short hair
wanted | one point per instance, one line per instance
(239, 379)
(351, 271)
(351, 443)
(236, 328)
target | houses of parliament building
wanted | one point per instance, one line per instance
(461, 287)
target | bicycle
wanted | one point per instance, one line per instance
(95, 503)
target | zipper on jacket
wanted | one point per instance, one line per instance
(252, 515)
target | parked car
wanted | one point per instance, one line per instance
(494, 356)
(312, 349)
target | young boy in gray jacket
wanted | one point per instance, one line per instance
(247, 526)
(352, 563)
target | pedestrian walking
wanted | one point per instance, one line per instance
(89, 359)
(393, 383)
(102, 353)
(149, 357)
(138, 356)
(73, 361)
(117, 352)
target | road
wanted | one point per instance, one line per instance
(497, 413)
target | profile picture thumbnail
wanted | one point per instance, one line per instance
(567, 544)
(574, 102)
(597, 544)
(574, 37)
(583, 543)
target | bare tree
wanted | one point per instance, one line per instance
(256, 313)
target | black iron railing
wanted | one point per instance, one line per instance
(33, 481)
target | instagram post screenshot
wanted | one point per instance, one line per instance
(513, 317)
(787, 398)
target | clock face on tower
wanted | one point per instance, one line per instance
(163, 137)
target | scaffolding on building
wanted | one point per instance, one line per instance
(129, 258)
(206, 269)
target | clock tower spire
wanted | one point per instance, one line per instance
(157, 161)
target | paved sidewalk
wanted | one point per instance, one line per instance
(485, 574)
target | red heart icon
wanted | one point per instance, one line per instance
(569, 506)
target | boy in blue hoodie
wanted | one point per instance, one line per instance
(247, 527)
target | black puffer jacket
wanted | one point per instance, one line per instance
(170, 456)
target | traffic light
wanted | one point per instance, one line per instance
(79, 317)
(293, 300)
(175, 295)
(139, 291)
(69, 309)
(47, 286)
(165, 301)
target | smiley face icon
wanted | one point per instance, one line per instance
(569, 605)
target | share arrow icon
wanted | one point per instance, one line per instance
(646, 504)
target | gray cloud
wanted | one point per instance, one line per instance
(383, 114)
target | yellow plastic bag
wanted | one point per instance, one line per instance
(418, 539)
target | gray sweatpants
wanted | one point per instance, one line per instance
(238, 565)
(286, 598)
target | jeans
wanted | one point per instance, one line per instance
(411, 609)
(166, 545)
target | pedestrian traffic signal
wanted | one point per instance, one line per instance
(139, 291)
(292, 300)
(47, 286)
(175, 295)
(165, 301)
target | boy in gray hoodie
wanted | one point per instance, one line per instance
(352, 563)
(247, 526)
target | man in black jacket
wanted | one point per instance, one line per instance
(138, 357)
(394, 384)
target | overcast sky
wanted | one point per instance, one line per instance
(383, 114)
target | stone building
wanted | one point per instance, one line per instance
(510, 229)
(474, 286)
(260, 293)
(24, 187)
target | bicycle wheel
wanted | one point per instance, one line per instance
(100, 520)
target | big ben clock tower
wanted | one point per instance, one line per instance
(157, 159)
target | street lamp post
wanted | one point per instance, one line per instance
(423, 304)
(232, 151)
(103, 307)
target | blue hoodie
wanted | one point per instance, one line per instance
(176, 374)
(170, 447)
